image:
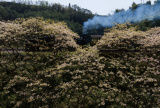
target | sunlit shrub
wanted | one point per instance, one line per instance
(126, 81)
(85, 78)
(123, 38)
(32, 32)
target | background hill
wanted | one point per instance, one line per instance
(73, 15)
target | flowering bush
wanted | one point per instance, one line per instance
(19, 33)
(19, 67)
(126, 81)
(123, 38)
(86, 77)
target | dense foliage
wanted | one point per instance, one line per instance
(84, 78)
(15, 63)
(73, 15)
(34, 31)
(124, 37)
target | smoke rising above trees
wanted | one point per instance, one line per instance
(136, 13)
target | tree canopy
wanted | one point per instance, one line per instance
(16, 33)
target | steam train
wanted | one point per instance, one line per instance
(84, 40)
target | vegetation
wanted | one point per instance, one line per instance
(122, 70)
(21, 31)
(73, 15)
(81, 78)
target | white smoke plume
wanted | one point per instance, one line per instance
(143, 12)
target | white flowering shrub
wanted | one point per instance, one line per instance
(34, 32)
(86, 77)
(126, 81)
(121, 37)
(19, 67)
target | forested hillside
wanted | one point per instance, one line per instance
(73, 15)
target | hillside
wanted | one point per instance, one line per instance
(73, 15)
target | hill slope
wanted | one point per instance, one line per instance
(73, 15)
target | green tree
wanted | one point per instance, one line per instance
(118, 10)
(134, 6)
(3, 13)
(148, 2)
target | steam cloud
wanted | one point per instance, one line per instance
(143, 12)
